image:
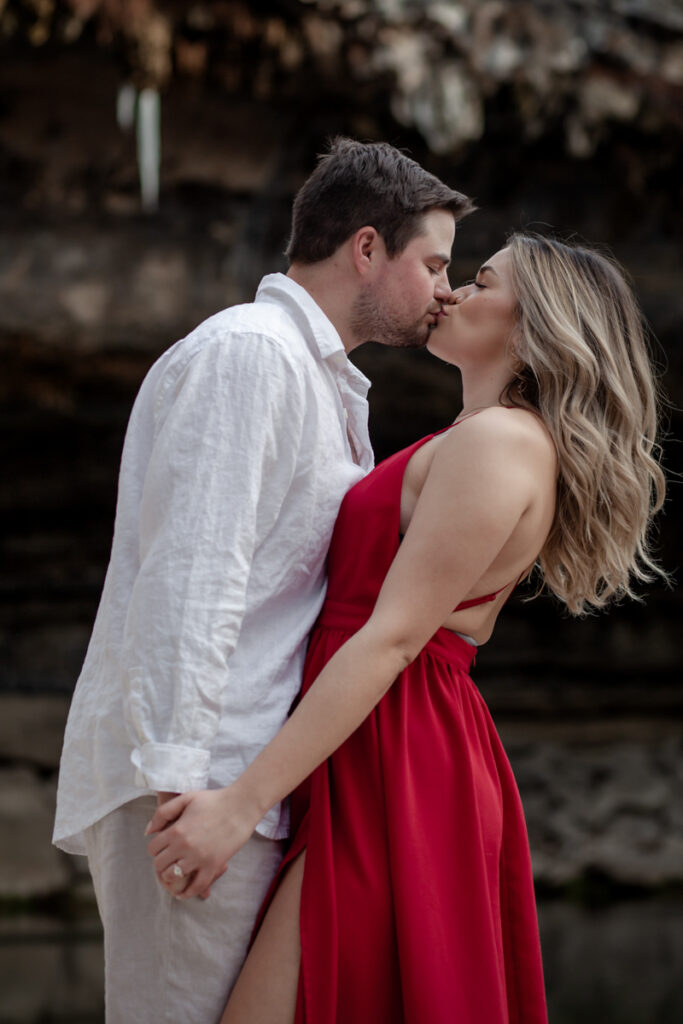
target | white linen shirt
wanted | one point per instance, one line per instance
(242, 442)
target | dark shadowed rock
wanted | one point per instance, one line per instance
(560, 114)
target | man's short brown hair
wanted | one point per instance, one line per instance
(365, 183)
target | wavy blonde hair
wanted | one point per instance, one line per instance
(586, 369)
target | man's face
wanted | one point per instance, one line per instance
(400, 306)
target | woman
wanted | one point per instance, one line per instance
(408, 880)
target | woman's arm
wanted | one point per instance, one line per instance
(481, 481)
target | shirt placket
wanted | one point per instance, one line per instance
(351, 437)
(352, 414)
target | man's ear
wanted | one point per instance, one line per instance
(367, 249)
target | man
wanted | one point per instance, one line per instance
(242, 442)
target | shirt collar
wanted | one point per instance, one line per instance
(320, 334)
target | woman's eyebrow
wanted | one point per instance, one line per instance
(482, 270)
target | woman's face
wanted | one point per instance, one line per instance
(479, 321)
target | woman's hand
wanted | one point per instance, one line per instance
(196, 835)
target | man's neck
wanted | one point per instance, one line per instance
(324, 283)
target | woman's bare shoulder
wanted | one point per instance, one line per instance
(503, 429)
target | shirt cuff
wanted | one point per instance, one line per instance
(166, 768)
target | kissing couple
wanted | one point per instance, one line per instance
(293, 800)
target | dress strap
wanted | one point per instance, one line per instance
(477, 600)
(489, 597)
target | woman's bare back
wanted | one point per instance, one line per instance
(521, 550)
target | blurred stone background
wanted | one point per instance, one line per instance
(565, 114)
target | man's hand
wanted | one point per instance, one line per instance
(198, 832)
(163, 798)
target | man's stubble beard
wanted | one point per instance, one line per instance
(369, 322)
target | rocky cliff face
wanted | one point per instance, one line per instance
(437, 65)
(562, 114)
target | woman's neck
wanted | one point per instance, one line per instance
(481, 394)
(465, 411)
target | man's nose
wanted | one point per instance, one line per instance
(442, 290)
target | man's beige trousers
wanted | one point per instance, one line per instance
(170, 961)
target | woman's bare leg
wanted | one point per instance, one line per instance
(266, 989)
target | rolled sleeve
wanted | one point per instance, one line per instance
(169, 768)
(223, 459)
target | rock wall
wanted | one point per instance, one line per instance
(436, 65)
(562, 114)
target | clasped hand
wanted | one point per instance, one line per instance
(199, 832)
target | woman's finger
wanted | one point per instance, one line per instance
(164, 861)
(179, 887)
(173, 886)
(201, 882)
(198, 884)
(157, 843)
(175, 875)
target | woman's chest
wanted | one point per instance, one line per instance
(414, 478)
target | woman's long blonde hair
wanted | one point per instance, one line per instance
(585, 367)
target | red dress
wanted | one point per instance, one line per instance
(417, 902)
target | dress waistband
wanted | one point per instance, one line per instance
(445, 642)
